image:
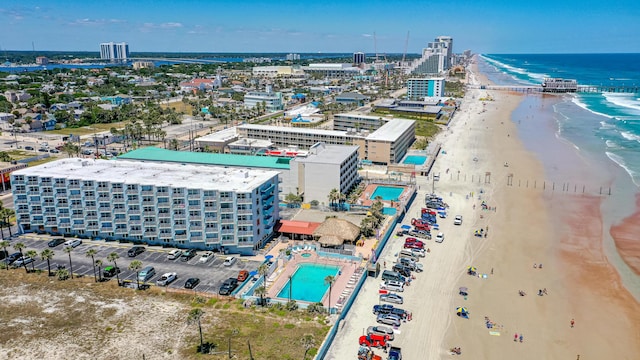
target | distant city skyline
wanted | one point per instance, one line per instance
(499, 26)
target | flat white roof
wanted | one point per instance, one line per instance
(220, 136)
(293, 130)
(392, 130)
(328, 154)
(153, 173)
(256, 143)
(360, 116)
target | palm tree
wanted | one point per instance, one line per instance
(62, 273)
(136, 265)
(4, 245)
(92, 253)
(330, 279)
(113, 257)
(99, 265)
(68, 250)
(5, 215)
(19, 246)
(32, 254)
(263, 270)
(261, 291)
(194, 316)
(47, 254)
(333, 196)
(308, 341)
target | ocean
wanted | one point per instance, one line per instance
(587, 139)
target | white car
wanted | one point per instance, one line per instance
(419, 252)
(440, 237)
(167, 279)
(457, 220)
(205, 257)
(392, 286)
(73, 243)
(419, 267)
(174, 254)
(230, 260)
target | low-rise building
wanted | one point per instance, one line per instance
(332, 71)
(351, 98)
(192, 206)
(272, 101)
(278, 71)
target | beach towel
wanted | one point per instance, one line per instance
(494, 333)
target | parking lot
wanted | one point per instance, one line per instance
(211, 274)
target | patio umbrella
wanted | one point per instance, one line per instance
(268, 257)
(253, 273)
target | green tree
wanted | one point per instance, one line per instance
(4, 245)
(334, 195)
(194, 317)
(263, 270)
(330, 279)
(5, 216)
(19, 246)
(69, 250)
(308, 342)
(47, 254)
(62, 273)
(92, 253)
(71, 148)
(113, 257)
(135, 266)
(261, 292)
(99, 266)
(174, 144)
(32, 254)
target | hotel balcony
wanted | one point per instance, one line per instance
(93, 228)
(20, 192)
(106, 229)
(164, 215)
(135, 232)
(134, 222)
(245, 222)
(194, 197)
(195, 228)
(245, 211)
(148, 202)
(77, 227)
(227, 231)
(147, 192)
(121, 231)
(131, 192)
(134, 212)
(73, 186)
(94, 218)
(149, 212)
(181, 237)
(245, 233)
(50, 223)
(165, 236)
(180, 216)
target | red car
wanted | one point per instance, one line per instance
(410, 239)
(415, 245)
(414, 241)
(374, 340)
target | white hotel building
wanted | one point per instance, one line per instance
(188, 206)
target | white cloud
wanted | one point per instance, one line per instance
(367, 35)
(96, 22)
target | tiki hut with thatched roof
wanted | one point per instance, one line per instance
(334, 232)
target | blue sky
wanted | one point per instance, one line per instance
(485, 26)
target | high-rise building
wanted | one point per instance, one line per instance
(436, 58)
(293, 57)
(194, 206)
(359, 58)
(116, 52)
(419, 88)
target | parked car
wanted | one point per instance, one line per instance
(228, 286)
(135, 251)
(392, 285)
(55, 242)
(389, 309)
(381, 331)
(54, 151)
(29, 148)
(110, 271)
(167, 279)
(418, 252)
(373, 340)
(230, 260)
(392, 298)
(23, 261)
(73, 243)
(440, 237)
(402, 270)
(12, 258)
(457, 220)
(188, 255)
(407, 263)
(174, 254)
(414, 245)
(43, 150)
(389, 319)
(412, 240)
(206, 257)
(191, 283)
(243, 275)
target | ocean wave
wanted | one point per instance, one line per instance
(629, 136)
(628, 101)
(612, 145)
(620, 161)
(577, 101)
(604, 125)
(508, 68)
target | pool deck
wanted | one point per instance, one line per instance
(365, 198)
(340, 286)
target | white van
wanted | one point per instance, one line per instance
(406, 253)
(392, 285)
(230, 260)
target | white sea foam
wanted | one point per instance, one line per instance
(604, 125)
(629, 136)
(610, 144)
(620, 161)
(577, 101)
(628, 101)
(514, 69)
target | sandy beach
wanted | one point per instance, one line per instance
(485, 160)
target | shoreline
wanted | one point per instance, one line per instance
(592, 294)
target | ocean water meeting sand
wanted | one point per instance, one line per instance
(542, 242)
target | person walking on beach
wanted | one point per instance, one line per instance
(515, 337)
(521, 337)
(572, 322)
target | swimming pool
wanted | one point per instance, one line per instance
(415, 159)
(387, 193)
(389, 210)
(307, 283)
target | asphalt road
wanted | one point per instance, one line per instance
(211, 274)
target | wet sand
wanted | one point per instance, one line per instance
(625, 236)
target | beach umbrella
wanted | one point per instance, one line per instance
(471, 269)
(464, 289)
(462, 311)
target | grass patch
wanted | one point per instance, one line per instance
(88, 130)
(426, 128)
(179, 106)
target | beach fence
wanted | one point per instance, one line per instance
(553, 186)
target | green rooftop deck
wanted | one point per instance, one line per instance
(186, 157)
